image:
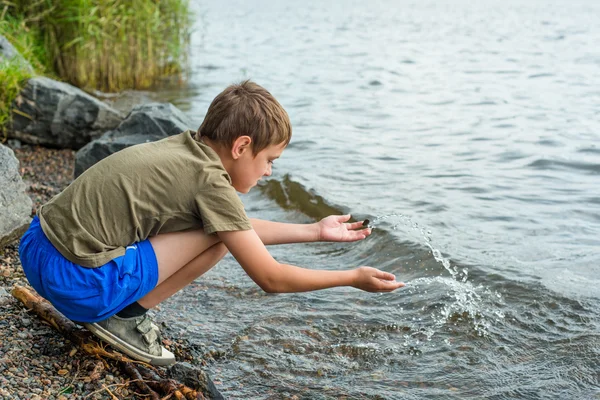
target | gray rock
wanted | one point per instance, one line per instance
(8, 52)
(15, 205)
(145, 123)
(56, 114)
(4, 299)
(14, 143)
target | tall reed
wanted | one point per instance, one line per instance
(110, 45)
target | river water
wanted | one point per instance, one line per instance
(469, 134)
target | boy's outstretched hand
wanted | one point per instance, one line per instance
(374, 280)
(335, 229)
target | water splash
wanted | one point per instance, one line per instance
(425, 235)
(464, 308)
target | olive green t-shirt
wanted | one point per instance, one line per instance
(170, 185)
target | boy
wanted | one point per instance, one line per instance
(144, 222)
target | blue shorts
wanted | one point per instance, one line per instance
(87, 294)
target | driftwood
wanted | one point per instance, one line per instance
(146, 378)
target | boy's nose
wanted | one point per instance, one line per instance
(268, 171)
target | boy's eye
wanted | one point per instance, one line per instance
(271, 162)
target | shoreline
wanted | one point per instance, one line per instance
(36, 361)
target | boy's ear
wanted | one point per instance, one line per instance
(240, 146)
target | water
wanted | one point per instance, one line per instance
(469, 134)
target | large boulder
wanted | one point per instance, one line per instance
(145, 123)
(56, 114)
(15, 205)
(8, 52)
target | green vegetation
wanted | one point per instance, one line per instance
(25, 39)
(12, 74)
(107, 45)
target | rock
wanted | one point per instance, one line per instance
(15, 205)
(8, 52)
(14, 144)
(194, 378)
(4, 299)
(56, 114)
(145, 123)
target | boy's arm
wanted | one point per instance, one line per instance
(274, 277)
(333, 228)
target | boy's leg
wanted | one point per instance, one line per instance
(177, 249)
(181, 257)
(181, 278)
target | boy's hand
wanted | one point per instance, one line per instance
(374, 280)
(335, 229)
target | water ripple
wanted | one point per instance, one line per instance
(546, 164)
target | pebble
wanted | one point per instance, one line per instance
(23, 335)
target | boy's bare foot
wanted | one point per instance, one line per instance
(137, 337)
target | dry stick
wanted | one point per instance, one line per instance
(61, 323)
(68, 329)
(140, 382)
(109, 386)
(169, 385)
(112, 396)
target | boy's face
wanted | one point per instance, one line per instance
(249, 169)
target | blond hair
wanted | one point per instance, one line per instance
(246, 109)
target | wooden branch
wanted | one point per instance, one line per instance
(62, 324)
(178, 390)
(146, 379)
(140, 382)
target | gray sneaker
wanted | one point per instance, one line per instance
(137, 337)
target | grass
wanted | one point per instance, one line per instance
(12, 74)
(108, 45)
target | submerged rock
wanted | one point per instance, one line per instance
(56, 114)
(145, 123)
(15, 205)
